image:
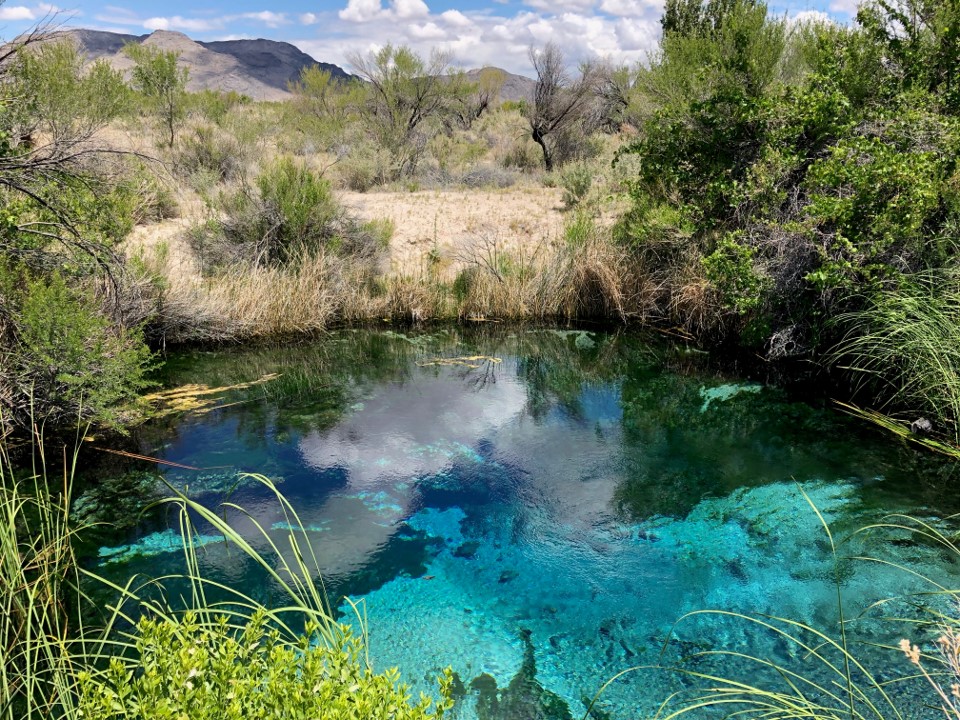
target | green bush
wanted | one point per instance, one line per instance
(211, 150)
(576, 181)
(70, 362)
(730, 268)
(290, 210)
(187, 669)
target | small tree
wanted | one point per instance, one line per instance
(478, 97)
(559, 102)
(159, 77)
(329, 104)
(406, 97)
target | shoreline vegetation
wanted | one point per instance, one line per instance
(772, 189)
(760, 187)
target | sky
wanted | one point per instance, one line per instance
(476, 32)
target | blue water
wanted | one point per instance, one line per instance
(548, 508)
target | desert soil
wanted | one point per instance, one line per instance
(456, 222)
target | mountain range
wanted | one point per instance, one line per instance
(260, 69)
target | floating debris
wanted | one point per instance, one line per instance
(474, 362)
(198, 399)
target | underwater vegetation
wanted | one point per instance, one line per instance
(539, 524)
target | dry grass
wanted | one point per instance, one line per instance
(455, 252)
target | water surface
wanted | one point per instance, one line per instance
(537, 508)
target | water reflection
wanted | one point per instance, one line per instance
(537, 517)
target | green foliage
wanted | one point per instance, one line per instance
(920, 43)
(208, 149)
(576, 181)
(301, 211)
(823, 157)
(185, 669)
(406, 102)
(160, 79)
(730, 267)
(903, 345)
(216, 105)
(66, 99)
(885, 220)
(70, 362)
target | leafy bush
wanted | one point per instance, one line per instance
(576, 181)
(185, 669)
(731, 270)
(70, 363)
(290, 210)
(210, 149)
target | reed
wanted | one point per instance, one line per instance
(904, 345)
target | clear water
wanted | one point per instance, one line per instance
(539, 516)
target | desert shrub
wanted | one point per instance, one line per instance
(161, 82)
(290, 209)
(480, 176)
(522, 154)
(155, 200)
(209, 149)
(215, 105)
(576, 181)
(70, 363)
(406, 101)
(286, 217)
(361, 169)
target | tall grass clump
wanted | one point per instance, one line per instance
(215, 653)
(904, 346)
(39, 585)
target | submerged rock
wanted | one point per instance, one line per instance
(523, 698)
(721, 393)
(467, 550)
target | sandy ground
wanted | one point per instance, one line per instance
(454, 221)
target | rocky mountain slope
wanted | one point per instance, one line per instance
(260, 69)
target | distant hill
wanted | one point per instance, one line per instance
(260, 69)
(515, 87)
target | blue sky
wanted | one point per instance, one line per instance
(475, 32)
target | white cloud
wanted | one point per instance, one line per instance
(309, 19)
(811, 16)
(427, 31)
(410, 8)
(456, 18)
(361, 10)
(847, 7)
(628, 8)
(17, 12)
(181, 23)
(561, 5)
(488, 37)
(367, 10)
(267, 17)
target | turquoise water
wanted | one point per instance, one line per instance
(539, 515)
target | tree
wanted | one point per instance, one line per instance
(159, 77)
(329, 103)
(407, 100)
(559, 102)
(478, 97)
(921, 44)
(64, 353)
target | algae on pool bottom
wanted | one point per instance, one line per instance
(540, 523)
